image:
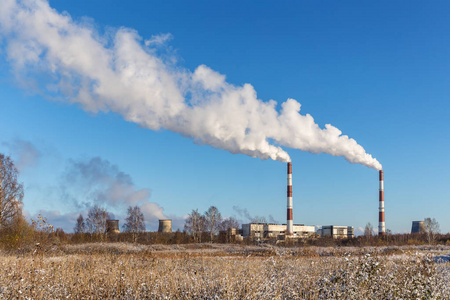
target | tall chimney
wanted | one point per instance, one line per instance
(381, 224)
(290, 224)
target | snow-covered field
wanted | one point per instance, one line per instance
(97, 271)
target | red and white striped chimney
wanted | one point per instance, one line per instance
(381, 224)
(290, 222)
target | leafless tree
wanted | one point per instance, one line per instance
(213, 219)
(11, 192)
(228, 223)
(96, 220)
(80, 227)
(431, 229)
(368, 230)
(134, 223)
(195, 225)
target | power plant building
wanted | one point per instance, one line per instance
(418, 227)
(112, 226)
(165, 226)
(336, 232)
(267, 230)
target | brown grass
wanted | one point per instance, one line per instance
(205, 271)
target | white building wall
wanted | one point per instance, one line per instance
(337, 231)
(304, 231)
(260, 230)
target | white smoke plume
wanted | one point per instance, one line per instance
(97, 181)
(121, 72)
(244, 213)
(24, 152)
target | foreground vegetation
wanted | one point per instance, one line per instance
(213, 271)
(38, 262)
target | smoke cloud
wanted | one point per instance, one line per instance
(244, 213)
(87, 182)
(25, 153)
(120, 72)
(102, 182)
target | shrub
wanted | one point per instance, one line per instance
(18, 234)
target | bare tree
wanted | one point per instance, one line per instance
(195, 225)
(134, 223)
(368, 230)
(11, 192)
(228, 223)
(213, 219)
(80, 227)
(431, 229)
(96, 220)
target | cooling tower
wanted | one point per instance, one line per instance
(112, 226)
(418, 227)
(165, 226)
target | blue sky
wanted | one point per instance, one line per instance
(375, 70)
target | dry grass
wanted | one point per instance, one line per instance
(126, 271)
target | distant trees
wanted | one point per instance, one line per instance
(96, 220)
(195, 225)
(134, 223)
(210, 222)
(11, 192)
(80, 226)
(368, 230)
(431, 229)
(213, 219)
(228, 223)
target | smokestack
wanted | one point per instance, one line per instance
(290, 224)
(381, 224)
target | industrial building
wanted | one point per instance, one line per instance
(269, 231)
(231, 235)
(418, 227)
(275, 231)
(165, 226)
(336, 232)
(112, 226)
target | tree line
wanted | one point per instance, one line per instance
(201, 227)
(97, 217)
(16, 231)
(209, 223)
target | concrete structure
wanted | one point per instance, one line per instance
(290, 216)
(381, 223)
(336, 232)
(165, 226)
(112, 226)
(271, 231)
(274, 230)
(255, 230)
(230, 236)
(304, 231)
(418, 227)
(235, 234)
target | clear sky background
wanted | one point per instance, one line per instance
(377, 70)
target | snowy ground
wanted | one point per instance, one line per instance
(215, 271)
